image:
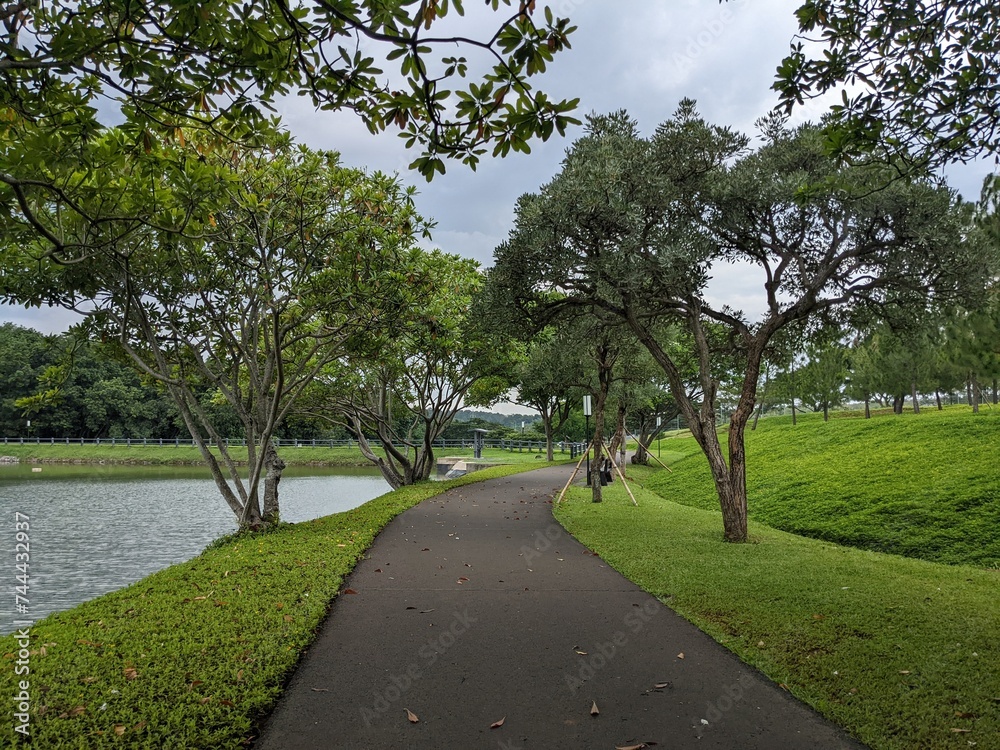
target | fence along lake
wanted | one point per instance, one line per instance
(97, 528)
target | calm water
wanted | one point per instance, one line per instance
(95, 529)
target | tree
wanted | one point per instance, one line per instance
(427, 364)
(823, 377)
(548, 380)
(295, 260)
(631, 226)
(919, 79)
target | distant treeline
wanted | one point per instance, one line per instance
(102, 398)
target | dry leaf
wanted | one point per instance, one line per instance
(205, 700)
(288, 618)
(350, 591)
(661, 685)
(965, 715)
(411, 716)
(905, 671)
(760, 644)
(819, 617)
(320, 690)
(119, 729)
(426, 611)
(594, 710)
(426, 549)
(960, 731)
(680, 655)
(227, 703)
(582, 653)
(461, 580)
(640, 746)
(239, 676)
(280, 605)
(139, 727)
(341, 545)
(498, 724)
(131, 674)
(78, 710)
(378, 570)
(88, 680)
(195, 684)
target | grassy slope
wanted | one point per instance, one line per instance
(900, 652)
(339, 456)
(925, 486)
(191, 657)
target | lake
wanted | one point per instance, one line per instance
(94, 529)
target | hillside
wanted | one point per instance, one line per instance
(925, 486)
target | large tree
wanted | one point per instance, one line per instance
(918, 81)
(632, 226)
(408, 383)
(295, 259)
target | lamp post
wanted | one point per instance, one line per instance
(587, 413)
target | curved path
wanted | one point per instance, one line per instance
(476, 606)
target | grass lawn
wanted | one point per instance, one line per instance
(193, 656)
(903, 653)
(925, 486)
(186, 454)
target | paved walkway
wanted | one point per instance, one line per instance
(476, 607)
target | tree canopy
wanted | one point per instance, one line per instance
(631, 227)
(919, 79)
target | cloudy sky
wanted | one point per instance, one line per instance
(628, 54)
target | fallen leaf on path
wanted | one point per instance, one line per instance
(640, 746)
(411, 716)
(680, 655)
(350, 591)
(320, 690)
(426, 611)
(378, 570)
(661, 685)
(426, 549)
(582, 653)
(461, 580)
(498, 724)
(594, 710)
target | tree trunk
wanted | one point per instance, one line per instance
(913, 396)
(273, 466)
(826, 411)
(595, 464)
(937, 397)
(995, 391)
(547, 425)
(868, 408)
(974, 387)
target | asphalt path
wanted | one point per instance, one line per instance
(478, 616)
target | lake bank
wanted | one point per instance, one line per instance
(194, 655)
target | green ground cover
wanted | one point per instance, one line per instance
(925, 486)
(903, 653)
(186, 454)
(193, 656)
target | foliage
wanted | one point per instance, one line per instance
(918, 79)
(295, 258)
(631, 227)
(195, 655)
(917, 485)
(429, 361)
(899, 652)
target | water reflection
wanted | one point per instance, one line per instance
(95, 529)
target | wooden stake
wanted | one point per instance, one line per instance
(572, 476)
(629, 491)
(650, 454)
